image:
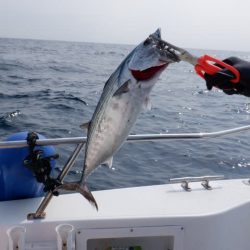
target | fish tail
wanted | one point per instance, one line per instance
(82, 189)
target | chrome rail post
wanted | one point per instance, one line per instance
(40, 214)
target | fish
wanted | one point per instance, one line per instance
(124, 95)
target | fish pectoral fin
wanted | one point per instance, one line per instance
(108, 162)
(80, 188)
(147, 104)
(123, 89)
(85, 126)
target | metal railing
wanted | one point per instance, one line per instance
(131, 138)
(80, 142)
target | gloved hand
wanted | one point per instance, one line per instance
(222, 79)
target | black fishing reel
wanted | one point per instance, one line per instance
(40, 166)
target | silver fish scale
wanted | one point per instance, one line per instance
(119, 116)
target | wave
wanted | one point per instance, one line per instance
(11, 115)
(45, 94)
(23, 95)
(6, 120)
(60, 106)
(111, 53)
(63, 95)
(7, 66)
(17, 77)
(68, 69)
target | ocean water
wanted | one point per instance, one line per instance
(52, 87)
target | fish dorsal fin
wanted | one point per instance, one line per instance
(123, 89)
(108, 162)
(85, 126)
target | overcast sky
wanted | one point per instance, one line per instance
(207, 24)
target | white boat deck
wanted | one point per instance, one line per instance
(200, 219)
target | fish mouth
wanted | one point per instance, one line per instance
(148, 73)
(150, 57)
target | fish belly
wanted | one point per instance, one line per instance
(113, 128)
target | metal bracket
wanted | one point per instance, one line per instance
(206, 184)
(185, 186)
(40, 214)
(203, 179)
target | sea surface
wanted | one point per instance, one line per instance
(52, 87)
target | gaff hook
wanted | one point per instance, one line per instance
(203, 65)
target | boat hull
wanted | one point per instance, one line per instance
(151, 217)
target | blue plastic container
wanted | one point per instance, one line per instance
(16, 181)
